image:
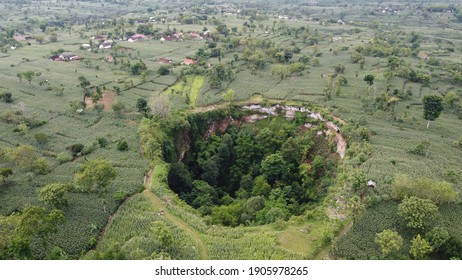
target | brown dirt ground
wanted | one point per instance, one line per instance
(107, 100)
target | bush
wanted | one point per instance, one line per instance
(76, 149)
(458, 144)
(438, 192)
(120, 195)
(421, 149)
(64, 157)
(122, 145)
(41, 138)
(163, 70)
(7, 97)
(102, 142)
(89, 148)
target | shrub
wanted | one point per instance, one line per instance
(41, 138)
(163, 70)
(7, 97)
(64, 157)
(76, 149)
(418, 213)
(122, 145)
(102, 142)
(421, 149)
(438, 192)
(120, 195)
(458, 144)
(89, 148)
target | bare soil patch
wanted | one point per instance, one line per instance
(107, 100)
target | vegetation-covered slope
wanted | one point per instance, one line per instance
(386, 69)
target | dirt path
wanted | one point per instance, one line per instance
(341, 144)
(166, 213)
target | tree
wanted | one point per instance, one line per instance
(163, 70)
(164, 234)
(390, 242)
(438, 237)
(36, 222)
(251, 207)
(77, 105)
(7, 97)
(227, 215)
(40, 166)
(179, 178)
(53, 38)
(160, 105)
(369, 79)
(418, 213)
(39, 38)
(433, 106)
(142, 105)
(98, 107)
(122, 145)
(261, 187)
(118, 108)
(138, 68)
(436, 191)
(95, 175)
(28, 75)
(76, 149)
(5, 172)
(339, 69)
(273, 167)
(356, 207)
(54, 195)
(204, 197)
(420, 247)
(229, 97)
(84, 82)
(210, 170)
(41, 138)
(8, 226)
(421, 149)
(57, 254)
(22, 156)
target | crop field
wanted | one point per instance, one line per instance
(133, 231)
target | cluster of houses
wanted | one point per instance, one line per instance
(21, 38)
(65, 56)
(186, 61)
(102, 42)
(386, 10)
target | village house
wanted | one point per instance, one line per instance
(137, 38)
(195, 36)
(189, 61)
(19, 38)
(167, 38)
(106, 44)
(99, 37)
(164, 60)
(65, 56)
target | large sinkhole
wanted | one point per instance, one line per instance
(252, 165)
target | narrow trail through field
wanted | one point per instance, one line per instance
(166, 213)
